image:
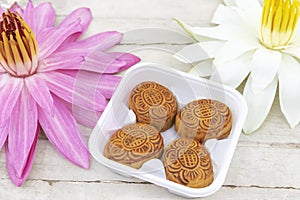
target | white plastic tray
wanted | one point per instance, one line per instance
(186, 88)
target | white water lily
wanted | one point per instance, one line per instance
(253, 42)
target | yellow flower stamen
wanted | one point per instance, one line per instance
(18, 46)
(279, 20)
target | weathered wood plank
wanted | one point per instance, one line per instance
(50, 165)
(41, 190)
(275, 131)
(263, 167)
(142, 9)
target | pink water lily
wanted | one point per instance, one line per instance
(51, 79)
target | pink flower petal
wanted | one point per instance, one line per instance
(4, 78)
(110, 40)
(78, 49)
(108, 84)
(63, 60)
(74, 90)
(28, 15)
(45, 14)
(9, 95)
(40, 92)
(72, 56)
(3, 134)
(104, 83)
(18, 181)
(85, 117)
(82, 14)
(51, 38)
(63, 132)
(38, 18)
(105, 39)
(108, 63)
(97, 61)
(15, 8)
(100, 62)
(22, 132)
(130, 59)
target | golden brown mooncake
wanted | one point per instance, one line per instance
(134, 144)
(153, 104)
(204, 119)
(187, 162)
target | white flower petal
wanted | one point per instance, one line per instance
(259, 105)
(235, 48)
(289, 93)
(293, 51)
(265, 65)
(202, 69)
(234, 72)
(225, 14)
(251, 20)
(218, 32)
(248, 4)
(191, 53)
(212, 47)
(296, 38)
(230, 2)
(242, 17)
(230, 31)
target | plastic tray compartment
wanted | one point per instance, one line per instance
(186, 88)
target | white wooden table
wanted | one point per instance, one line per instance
(266, 165)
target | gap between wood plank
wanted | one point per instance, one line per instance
(52, 182)
(153, 43)
(269, 145)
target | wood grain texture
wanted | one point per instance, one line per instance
(265, 165)
(39, 190)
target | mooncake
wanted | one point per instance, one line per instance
(204, 119)
(153, 104)
(187, 162)
(134, 144)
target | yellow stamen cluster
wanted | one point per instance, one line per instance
(18, 46)
(279, 20)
